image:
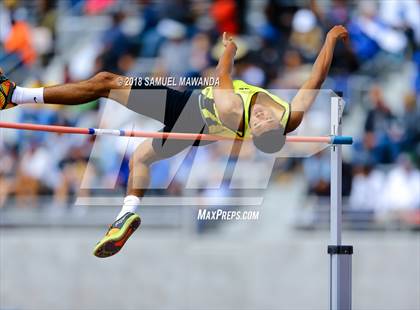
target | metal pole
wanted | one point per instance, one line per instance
(340, 255)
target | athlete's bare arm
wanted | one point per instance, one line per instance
(228, 104)
(309, 90)
(103, 84)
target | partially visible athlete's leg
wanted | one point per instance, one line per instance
(139, 177)
(102, 84)
(127, 220)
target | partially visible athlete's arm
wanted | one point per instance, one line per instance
(225, 65)
(228, 104)
(309, 90)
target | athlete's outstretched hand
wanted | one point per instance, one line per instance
(227, 39)
(338, 33)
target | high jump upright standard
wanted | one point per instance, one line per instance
(340, 255)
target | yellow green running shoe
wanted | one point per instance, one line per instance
(117, 235)
(6, 90)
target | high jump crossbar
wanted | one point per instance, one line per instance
(333, 139)
(340, 282)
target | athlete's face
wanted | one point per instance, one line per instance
(262, 119)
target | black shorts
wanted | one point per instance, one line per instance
(178, 110)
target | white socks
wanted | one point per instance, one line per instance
(131, 203)
(23, 95)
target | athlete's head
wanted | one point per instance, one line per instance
(264, 121)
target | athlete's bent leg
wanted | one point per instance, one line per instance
(139, 176)
(127, 220)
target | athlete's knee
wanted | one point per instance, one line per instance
(143, 155)
(105, 77)
(103, 82)
(137, 161)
